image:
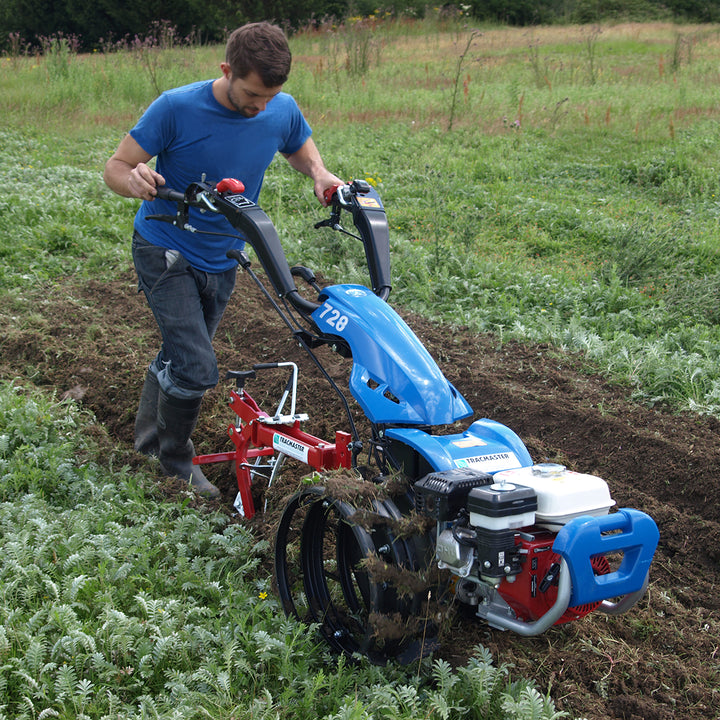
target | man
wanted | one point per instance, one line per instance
(228, 127)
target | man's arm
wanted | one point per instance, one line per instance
(307, 160)
(127, 172)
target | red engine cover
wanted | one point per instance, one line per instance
(525, 595)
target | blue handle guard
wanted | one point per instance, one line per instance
(630, 532)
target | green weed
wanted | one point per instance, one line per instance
(569, 197)
(546, 212)
(114, 604)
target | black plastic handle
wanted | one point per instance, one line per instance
(165, 193)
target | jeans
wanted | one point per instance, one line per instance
(187, 305)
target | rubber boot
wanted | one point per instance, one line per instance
(176, 419)
(146, 436)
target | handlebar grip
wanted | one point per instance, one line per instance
(165, 193)
(265, 366)
(328, 194)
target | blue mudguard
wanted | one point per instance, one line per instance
(630, 532)
(486, 445)
(393, 378)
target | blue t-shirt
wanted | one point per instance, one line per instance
(191, 133)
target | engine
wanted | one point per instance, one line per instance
(495, 534)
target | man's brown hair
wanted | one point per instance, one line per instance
(261, 47)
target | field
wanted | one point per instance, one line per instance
(552, 198)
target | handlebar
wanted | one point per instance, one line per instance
(226, 198)
(166, 193)
(330, 193)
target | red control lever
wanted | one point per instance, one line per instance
(328, 194)
(230, 185)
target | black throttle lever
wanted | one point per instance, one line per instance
(343, 196)
(333, 221)
(331, 196)
(180, 219)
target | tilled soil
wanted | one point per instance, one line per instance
(93, 341)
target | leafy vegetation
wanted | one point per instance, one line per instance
(556, 185)
(117, 605)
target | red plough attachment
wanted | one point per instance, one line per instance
(257, 434)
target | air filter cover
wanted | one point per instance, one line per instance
(502, 506)
(441, 495)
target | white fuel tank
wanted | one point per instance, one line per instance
(562, 494)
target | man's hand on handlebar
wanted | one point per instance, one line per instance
(329, 193)
(143, 182)
(325, 188)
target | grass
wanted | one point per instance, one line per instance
(115, 604)
(555, 185)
